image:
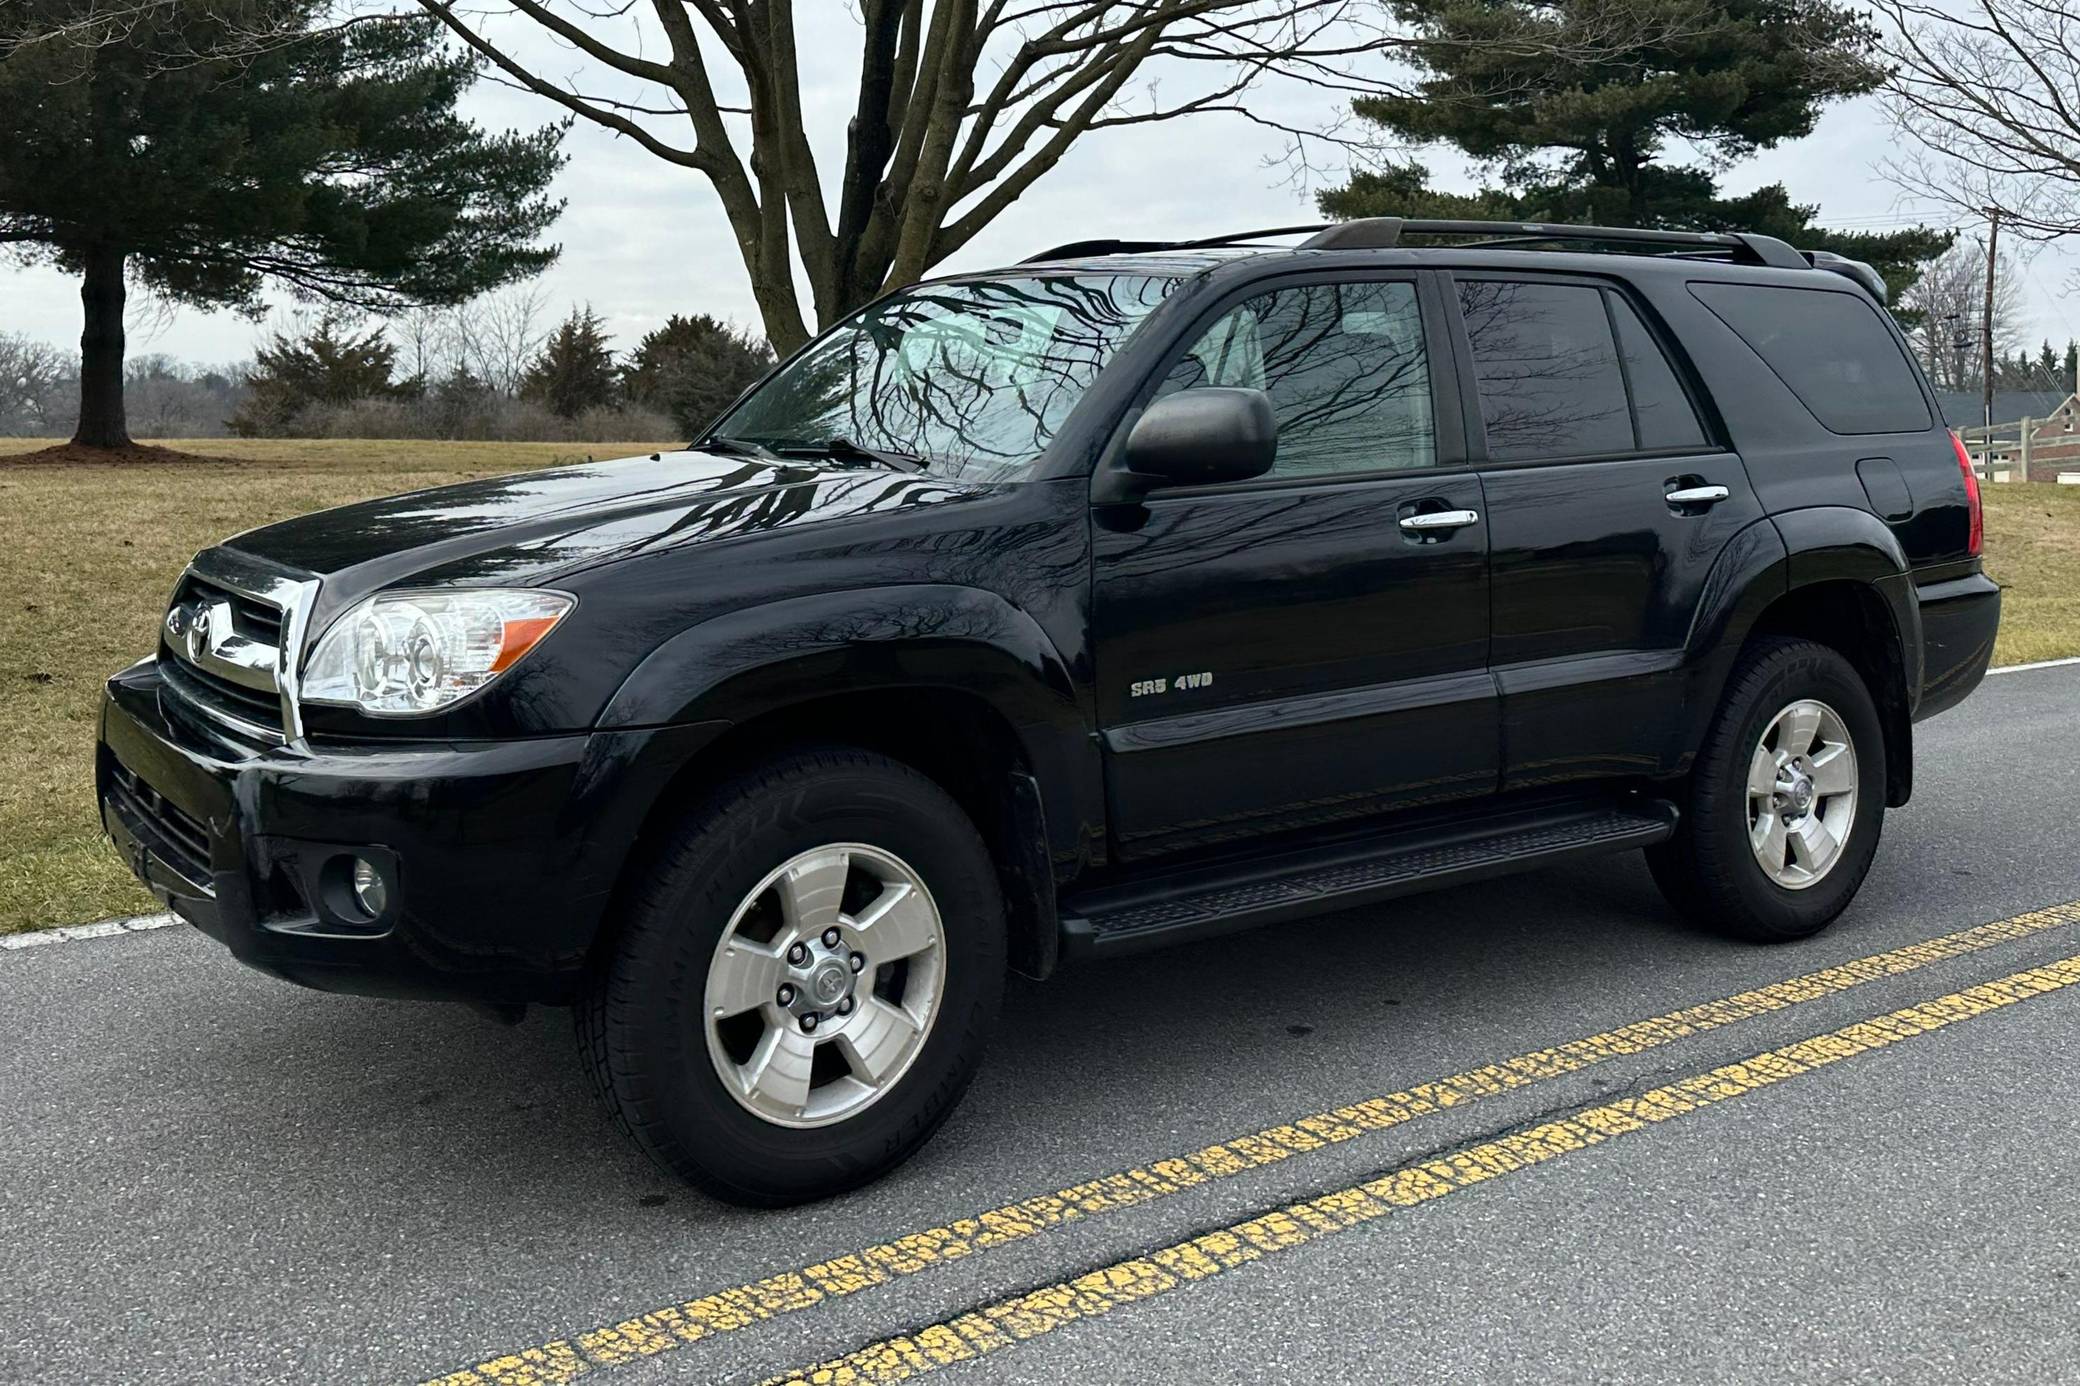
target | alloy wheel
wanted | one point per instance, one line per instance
(824, 987)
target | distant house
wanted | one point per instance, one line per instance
(1966, 408)
(2054, 430)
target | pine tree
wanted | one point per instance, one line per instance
(327, 365)
(1575, 129)
(328, 160)
(693, 368)
(575, 371)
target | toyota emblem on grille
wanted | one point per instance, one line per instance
(188, 627)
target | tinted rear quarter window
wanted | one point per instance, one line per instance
(1832, 350)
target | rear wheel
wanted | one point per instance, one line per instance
(805, 980)
(1782, 813)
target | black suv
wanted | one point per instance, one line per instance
(1133, 594)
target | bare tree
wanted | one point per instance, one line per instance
(424, 335)
(497, 336)
(1950, 296)
(959, 106)
(1988, 93)
(39, 387)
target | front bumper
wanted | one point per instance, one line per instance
(501, 856)
(1959, 619)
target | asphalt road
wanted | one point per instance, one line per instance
(209, 1176)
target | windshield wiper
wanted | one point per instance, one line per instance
(843, 449)
(736, 447)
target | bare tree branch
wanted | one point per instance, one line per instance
(1987, 93)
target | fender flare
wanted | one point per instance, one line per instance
(1775, 557)
(1837, 542)
(733, 667)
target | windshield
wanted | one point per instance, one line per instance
(972, 378)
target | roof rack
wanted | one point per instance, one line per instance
(1077, 250)
(1381, 233)
(1376, 233)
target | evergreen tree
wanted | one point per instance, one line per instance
(575, 371)
(327, 365)
(1576, 129)
(175, 152)
(693, 368)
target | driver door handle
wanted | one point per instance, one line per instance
(1432, 521)
(1698, 495)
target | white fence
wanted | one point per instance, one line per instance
(2002, 453)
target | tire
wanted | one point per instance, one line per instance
(1712, 870)
(803, 823)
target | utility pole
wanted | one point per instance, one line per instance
(1993, 236)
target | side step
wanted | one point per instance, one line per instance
(1243, 894)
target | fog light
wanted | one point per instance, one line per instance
(370, 892)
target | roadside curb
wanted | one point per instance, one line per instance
(73, 933)
(2036, 664)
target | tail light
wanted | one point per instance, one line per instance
(1971, 494)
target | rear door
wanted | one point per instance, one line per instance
(1608, 504)
(1309, 646)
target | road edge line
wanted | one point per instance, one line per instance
(77, 933)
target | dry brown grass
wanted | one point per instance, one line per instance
(91, 553)
(89, 556)
(2033, 551)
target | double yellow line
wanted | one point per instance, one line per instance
(1038, 1312)
(671, 1327)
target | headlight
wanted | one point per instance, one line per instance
(401, 654)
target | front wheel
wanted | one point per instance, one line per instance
(805, 980)
(1784, 806)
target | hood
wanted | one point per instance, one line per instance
(531, 526)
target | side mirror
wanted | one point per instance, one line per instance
(1197, 437)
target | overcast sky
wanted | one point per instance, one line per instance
(642, 239)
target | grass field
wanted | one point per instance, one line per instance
(91, 553)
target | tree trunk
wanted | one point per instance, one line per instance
(102, 423)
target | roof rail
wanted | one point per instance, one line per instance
(1076, 250)
(1378, 233)
(1385, 233)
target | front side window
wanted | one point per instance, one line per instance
(1547, 370)
(973, 378)
(1344, 365)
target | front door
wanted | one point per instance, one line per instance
(1309, 646)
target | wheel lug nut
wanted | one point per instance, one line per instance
(830, 937)
(809, 1023)
(845, 1006)
(859, 962)
(786, 997)
(798, 954)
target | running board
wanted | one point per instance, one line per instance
(1244, 894)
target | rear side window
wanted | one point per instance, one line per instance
(1547, 367)
(1831, 349)
(1666, 419)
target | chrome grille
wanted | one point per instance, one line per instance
(221, 697)
(227, 648)
(251, 617)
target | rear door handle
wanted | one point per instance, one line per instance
(1431, 521)
(1698, 495)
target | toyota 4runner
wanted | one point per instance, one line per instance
(1134, 594)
